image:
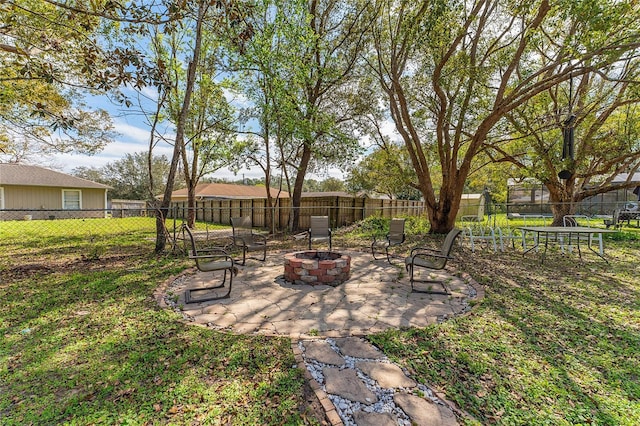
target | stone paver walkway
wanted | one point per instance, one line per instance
(364, 388)
(354, 382)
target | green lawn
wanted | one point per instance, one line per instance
(84, 342)
(551, 344)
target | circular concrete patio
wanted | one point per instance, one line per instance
(376, 297)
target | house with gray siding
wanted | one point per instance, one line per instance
(33, 192)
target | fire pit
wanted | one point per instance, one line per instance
(317, 267)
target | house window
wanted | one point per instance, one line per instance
(71, 199)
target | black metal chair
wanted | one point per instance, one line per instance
(395, 237)
(431, 259)
(245, 239)
(209, 260)
(320, 230)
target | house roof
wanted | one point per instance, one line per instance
(25, 175)
(622, 177)
(227, 191)
(334, 194)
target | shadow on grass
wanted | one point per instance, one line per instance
(554, 343)
(85, 343)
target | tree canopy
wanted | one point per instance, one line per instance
(451, 72)
(128, 177)
(464, 83)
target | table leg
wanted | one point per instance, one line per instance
(601, 247)
(536, 243)
(546, 245)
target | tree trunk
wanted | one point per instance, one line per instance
(442, 216)
(441, 222)
(561, 200)
(161, 239)
(297, 187)
(191, 206)
(269, 211)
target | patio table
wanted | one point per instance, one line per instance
(558, 231)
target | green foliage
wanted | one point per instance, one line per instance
(378, 226)
(298, 70)
(374, 226)
(417, 225)
(386, 171)
(451, 78)
(53, 56)
(606, 136)
(129, 177)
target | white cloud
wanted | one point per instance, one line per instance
(132, 133)
(388, 128)
(239, 100)
(113, 152)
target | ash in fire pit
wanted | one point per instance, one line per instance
(317, 267)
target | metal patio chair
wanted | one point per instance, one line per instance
(245, 239)
(395, 237)
(431, 259)
(320, 230)
(209, 260)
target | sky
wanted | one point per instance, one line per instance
(133, 137)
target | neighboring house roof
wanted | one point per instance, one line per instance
(471, 196)
(24, 175)
(227, 191)
(622, 177)
(334, 194)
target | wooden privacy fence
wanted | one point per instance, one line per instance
(342, 211)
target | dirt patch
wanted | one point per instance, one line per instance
(52, 266)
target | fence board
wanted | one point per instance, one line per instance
(342, 211)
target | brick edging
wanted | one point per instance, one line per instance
(331, 414)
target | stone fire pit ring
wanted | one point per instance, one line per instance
(313, 267)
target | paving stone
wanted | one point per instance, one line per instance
(322, 352)
(373, 300)
(347, 384)
(387, 375)
(447, 416)
(423, 411)
(374, 419)
(358, 348)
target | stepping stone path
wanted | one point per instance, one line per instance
(359, 386)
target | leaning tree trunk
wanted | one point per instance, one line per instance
(297, 187)
(161, 239)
